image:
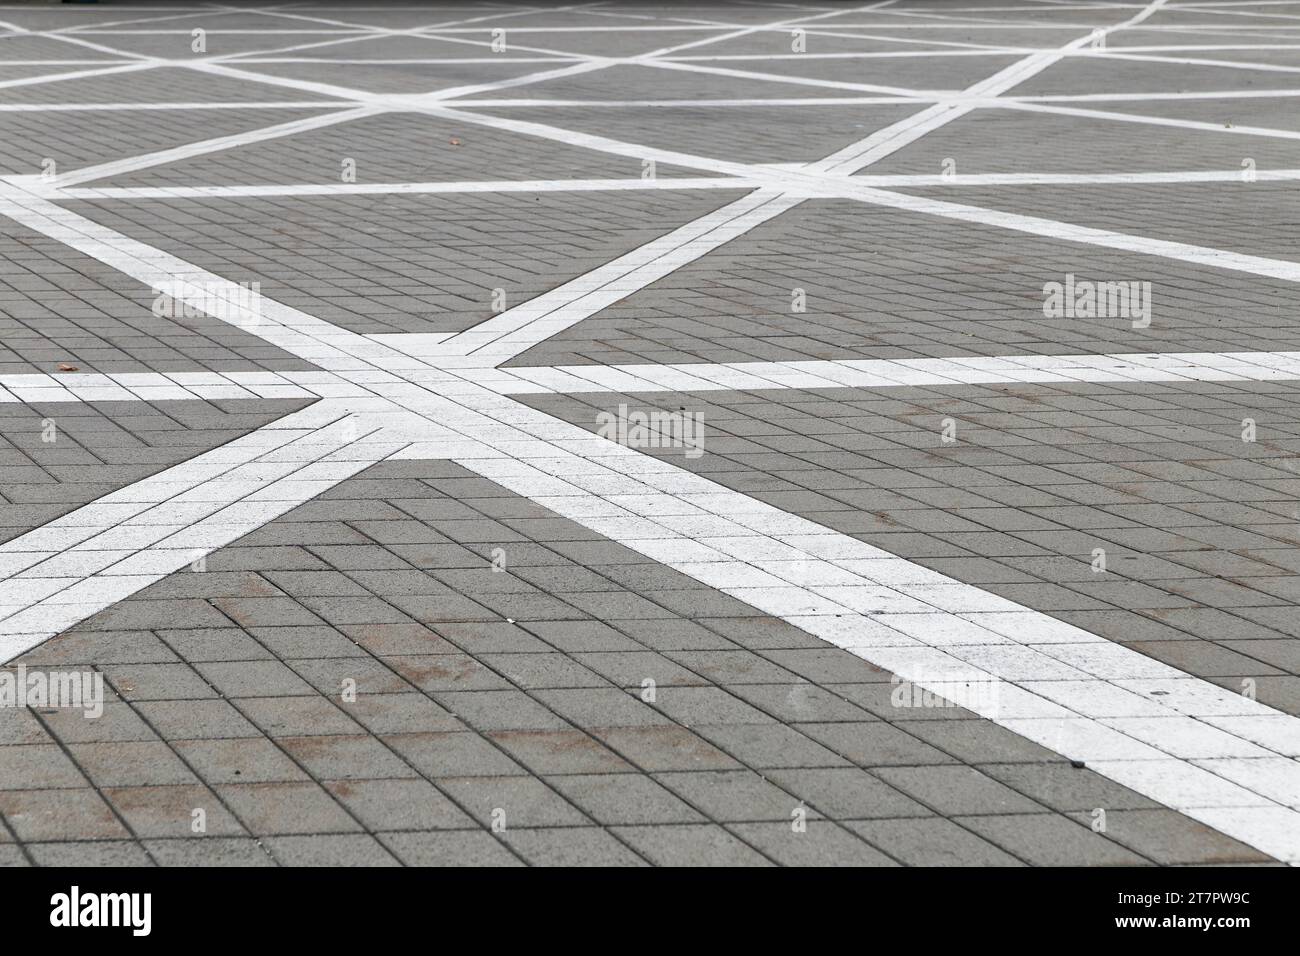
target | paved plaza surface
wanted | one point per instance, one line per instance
(628, 433)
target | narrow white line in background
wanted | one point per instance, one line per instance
(518, 329)
(1283, 269)
(495, 186)
(1113, 117)
(147, 107)
(134, 163)
(894, 137)
(75, 75)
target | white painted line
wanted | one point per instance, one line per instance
(1200, 255)
(169, 107)
(894, 137)
(1123, 54)
(796, 80)
(536, 320)
(878, 373)
(128, 539)
(993, 656)
(38, 388)
(457, 186)
(1145, 120)
(367, 103)
(399, 61)
(133, 164)
(1153, 96)
(832, 189)
(504, 336)
(799, 101)
(75, 74)
(1076, 179)
(322, 343)
(617, 147)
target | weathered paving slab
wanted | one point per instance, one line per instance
(858, 435)
(357, 678)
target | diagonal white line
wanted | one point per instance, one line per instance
(514, 331)
(371, 33)
(1283, 269)
(801, 20)
(75, 74)
(954, 640)
(892, 138)
(134, 163)
(1038, 107)
(536, 320)
(612, 146)
(58, 32)
(372, 103)
(1123, 54)
(37, 388)
(86, 44)
(65, 571)
(795, 80)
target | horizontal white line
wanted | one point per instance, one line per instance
(38, 388)
(1181, 95)
(129, 107)
(885, 373)
(659, 183)
(402, 61)
(216, 31)
(350, 189)
(927, 54)
(796, 101)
